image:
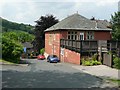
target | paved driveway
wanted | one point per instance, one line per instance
(41, 74)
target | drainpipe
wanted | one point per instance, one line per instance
(80, 50)
(60, 47)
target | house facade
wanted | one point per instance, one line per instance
(74, 27)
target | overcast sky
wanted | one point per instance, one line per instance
(27, 11)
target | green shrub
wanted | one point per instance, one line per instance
(116, 62)
(89, 62)
(99, 63)
(86, 62)
(93, 62)
(82, 61)
(94, 57)
(11, 50)
(96, 62)
(42, 51)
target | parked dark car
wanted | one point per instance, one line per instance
(41, 57)
(52, 58)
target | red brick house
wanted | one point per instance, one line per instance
(74, 27)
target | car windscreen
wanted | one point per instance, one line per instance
(54, 56)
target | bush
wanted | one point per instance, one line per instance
(42, 51)
(116, 62)
(96, 62)
(11, 44)
(11, 50)
(94, 57)
(86, 62)
(90, 62)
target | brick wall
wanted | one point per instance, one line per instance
(63, 34)
(99, 35)
(70, 57)
(54, 47)
(48, 48)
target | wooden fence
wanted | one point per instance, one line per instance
(114, 46)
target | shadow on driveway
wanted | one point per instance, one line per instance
(24, 62)
(47, 79)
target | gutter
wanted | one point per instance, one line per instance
(78, 29)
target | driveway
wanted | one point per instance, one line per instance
(102, 71)
(41, 74)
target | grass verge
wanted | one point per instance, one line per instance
(115, 81)
(5, 62)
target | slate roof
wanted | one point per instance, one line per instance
(103, 24)
(78, 22)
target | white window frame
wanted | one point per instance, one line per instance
(81, 34)
(72, 35)
(90, 34)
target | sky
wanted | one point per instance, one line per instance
(28, 11)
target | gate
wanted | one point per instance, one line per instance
(107, 59)
(105, 48)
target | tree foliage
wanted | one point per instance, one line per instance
(116, 62)
(12, 44)
(42, 24)
(13, 26)
(11, 49)
(13, 35)
(19, 36)
(115, 21)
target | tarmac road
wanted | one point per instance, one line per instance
(41, 74)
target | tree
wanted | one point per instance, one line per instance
(20, 36)
(12, 44)
(42, 24)
(11, 49)
(115, 21)
(13, 26)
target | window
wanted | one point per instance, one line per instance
(50, 39)
(72, 35)
(68, 36)
(81, 36)
(54, 36)
(62, 51)
(90, 35)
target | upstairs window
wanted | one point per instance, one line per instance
(54, 36)
(72, 35)
(90, 35)
(81, 36)
(50, 39)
